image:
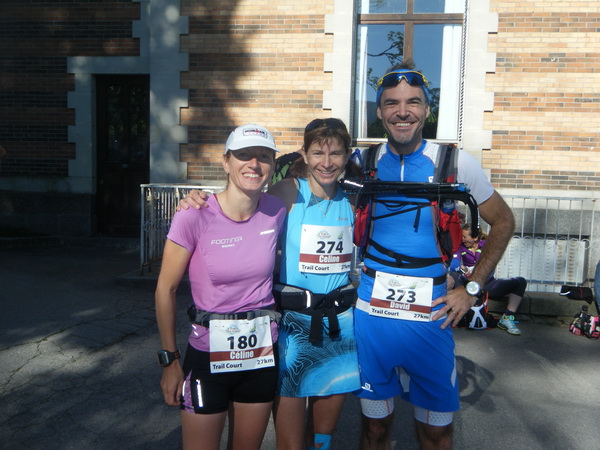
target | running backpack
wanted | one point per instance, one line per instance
(446, 215)
(585, 324)
(478, 317)
(282, 166)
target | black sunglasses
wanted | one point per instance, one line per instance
(334, 124)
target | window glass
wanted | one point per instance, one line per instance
(429, 6)
(380, 47)
(436, 51)
(428, 60)
(382, 6)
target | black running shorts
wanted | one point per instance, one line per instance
(209, 393)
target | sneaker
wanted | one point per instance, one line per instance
(508, 323)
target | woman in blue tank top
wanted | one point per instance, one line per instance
(318, 359)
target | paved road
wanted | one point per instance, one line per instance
(77, 367)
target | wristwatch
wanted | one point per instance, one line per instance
(473, 288)
(165, 357)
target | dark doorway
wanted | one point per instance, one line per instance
(123, 148)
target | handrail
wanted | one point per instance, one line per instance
(556, 240)
(159, 202)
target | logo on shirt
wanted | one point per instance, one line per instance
(226, 242)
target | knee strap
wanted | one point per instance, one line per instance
(377, 409)
(437, 419)
(324, 440)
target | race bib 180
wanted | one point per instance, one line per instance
(240, 345)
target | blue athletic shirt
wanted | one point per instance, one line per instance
(339, 213)
(413, 233)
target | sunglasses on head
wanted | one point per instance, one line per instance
(334, 124)
(393, 78)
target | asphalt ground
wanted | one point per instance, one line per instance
(78, 369)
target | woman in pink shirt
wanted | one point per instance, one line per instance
(229, 250)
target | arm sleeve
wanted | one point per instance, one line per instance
(471, 174)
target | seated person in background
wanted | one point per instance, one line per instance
(464, 261)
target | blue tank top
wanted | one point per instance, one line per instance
(336, 212)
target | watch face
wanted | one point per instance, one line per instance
(473, 288)
(163, 358)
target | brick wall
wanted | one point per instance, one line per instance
(546, 117)
(251, 61)
(35, 40)
(263, 61)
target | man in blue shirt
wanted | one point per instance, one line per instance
(403, 313)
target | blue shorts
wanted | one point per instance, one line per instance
(412, 359)
(307, 370)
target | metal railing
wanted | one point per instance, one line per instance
(556, 239)
(159, 202)
(556, 242)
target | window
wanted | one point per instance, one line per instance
(427, 31)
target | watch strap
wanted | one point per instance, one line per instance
(166, 357)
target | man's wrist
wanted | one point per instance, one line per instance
(473, 288)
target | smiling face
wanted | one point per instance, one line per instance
(326, 161)
(468, 241)
(250, 168)
(403, 110)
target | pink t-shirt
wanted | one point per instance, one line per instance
(231, 268)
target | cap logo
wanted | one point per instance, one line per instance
(255, 132)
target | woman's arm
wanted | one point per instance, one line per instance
(174, 263)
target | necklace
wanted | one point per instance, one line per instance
(314, 200)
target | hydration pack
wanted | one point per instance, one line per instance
(446, 215)
(585, 324)
(478, 317)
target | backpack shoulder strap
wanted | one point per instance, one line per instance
(282, 166)
(446, 164)
(371, 159)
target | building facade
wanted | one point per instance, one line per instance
(98, 97)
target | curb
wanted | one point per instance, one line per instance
(31, 242)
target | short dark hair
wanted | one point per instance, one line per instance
(407, 64)
(320, 135)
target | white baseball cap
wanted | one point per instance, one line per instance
(250, 135)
